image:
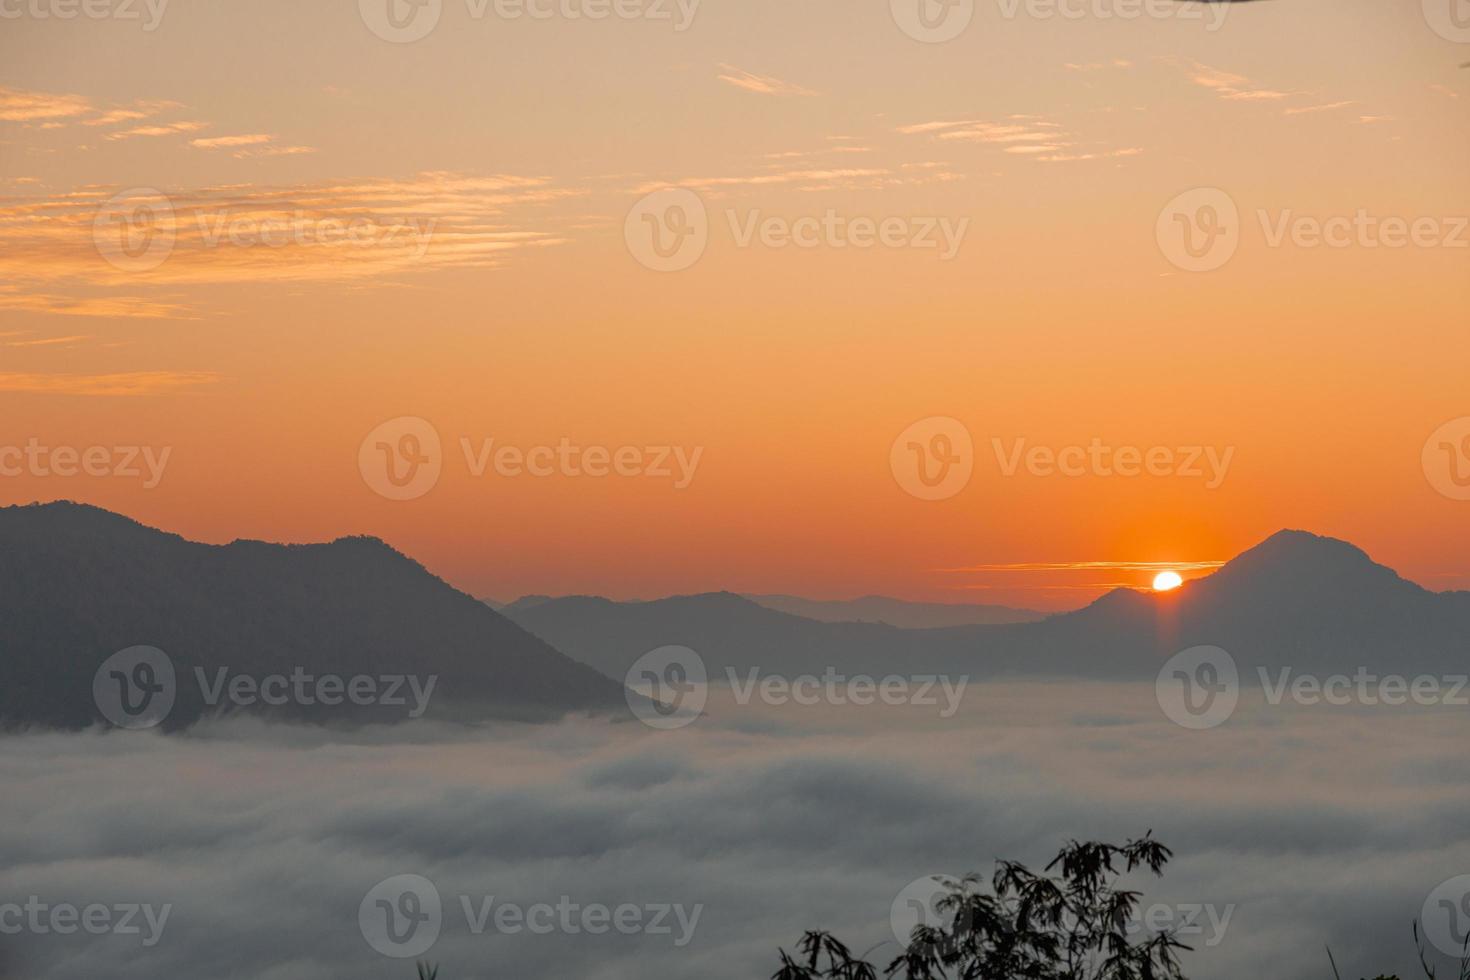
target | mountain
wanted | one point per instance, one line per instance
(895, 612)
(1297, 600)
(78, 584)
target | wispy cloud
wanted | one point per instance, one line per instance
(1020, 134)
(1098, 65)
(1230, 86)
(138, 110)
(358, 231)
(129, 384)
(161, 129)
(1089, 566)
(17, 105)
(761, 84)
(1324, 107)
(249, 145)
(15, 297)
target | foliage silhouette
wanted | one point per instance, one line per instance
(1070, 926)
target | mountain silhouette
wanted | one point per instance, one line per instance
(78, 584)
(897, 612)
(1296, 600)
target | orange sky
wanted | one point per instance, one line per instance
(490, 167)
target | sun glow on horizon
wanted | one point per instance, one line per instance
(1167, 581)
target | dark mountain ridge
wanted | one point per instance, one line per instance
(78, 584)
(1296, 600)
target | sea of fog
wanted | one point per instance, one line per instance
(607, 849)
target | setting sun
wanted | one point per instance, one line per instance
(1164, 581)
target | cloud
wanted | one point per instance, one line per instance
(1098, 65)
(1228, 85)
(162, 129)
(353, 231)
(761, 84)
(249, 145)
(1325, 107)
(216, 142)
(18, 105)
(125, 384)
(138, 110)
(1020, 134)
(773, 820)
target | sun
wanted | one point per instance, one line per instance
(1164, 581)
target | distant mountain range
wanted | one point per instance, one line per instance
(865, 609)
(78, 584)
(1298, 600)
